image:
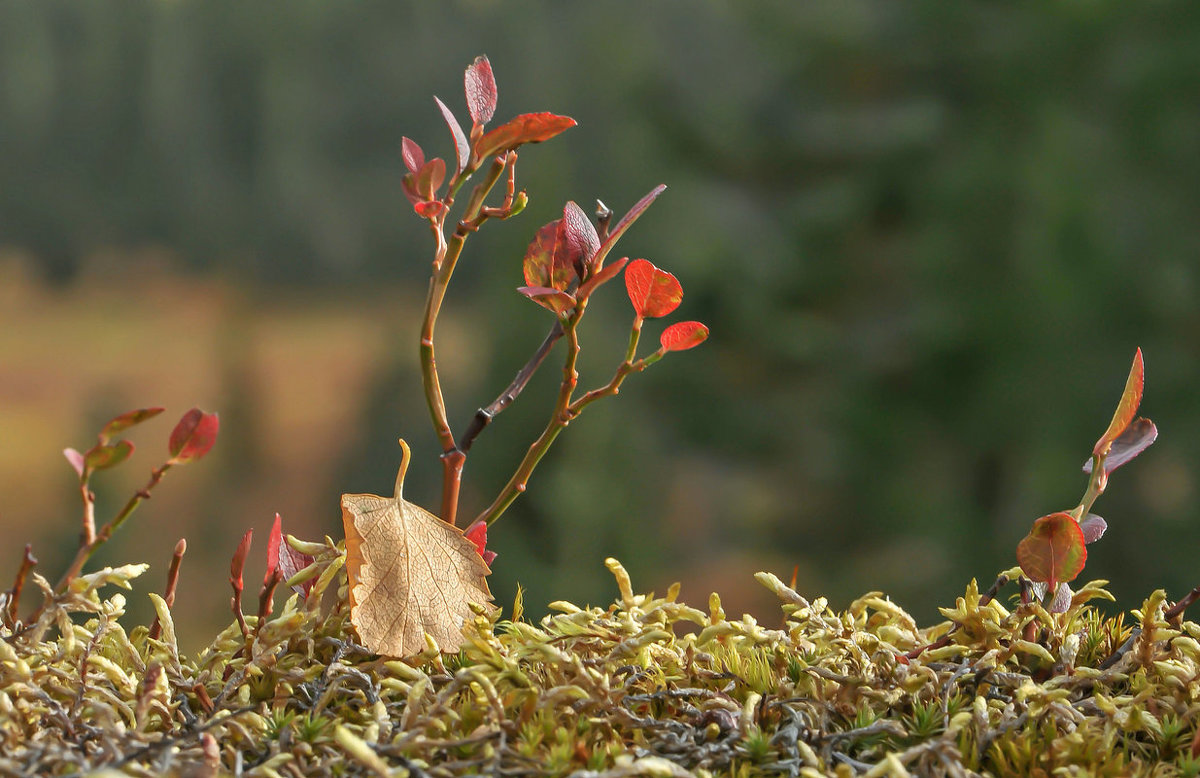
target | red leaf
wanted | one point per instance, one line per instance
(551, 299)
(239, 560)
(429, 209)
(104, 456)
(76, 460)
(1053, 551)
(480, 86)
(606, 274)
(462, 149)
(193, 436)
(683, 336)
(430, 179)
(627, 221)
(273, 541)
(414, 158)
(653, 292)
(526, 128)
(127, 420)
(577, 239)
(1131, 398)
(477, 534)
(1136, 438)
(541, 267)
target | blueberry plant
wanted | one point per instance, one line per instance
(405, 668)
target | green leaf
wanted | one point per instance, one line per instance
(104, 456)
(127, 420)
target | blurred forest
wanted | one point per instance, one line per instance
(927, 238)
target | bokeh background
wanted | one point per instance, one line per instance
(927, 238)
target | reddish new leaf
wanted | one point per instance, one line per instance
(127, 420)
(1054, 550)
(477, 534)
(683, 336)
(480, 86)
(526, 128)
(626, 222)
(577, 242)
(238, 563)
(414, 157)
(1136, 438)
(541, 264)
(429, 209)
(193, 436)
(462, 149)
(1093, 528)
(430, 178)
(76, 460)
(653, 292)
(273, 542)
(551, 299)
(1131, 398)
(104, 456)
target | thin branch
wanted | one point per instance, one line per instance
(484, 416)
(172, 582)
(14, 594)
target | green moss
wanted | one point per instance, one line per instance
(646, 686)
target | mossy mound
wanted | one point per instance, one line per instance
(649, 686)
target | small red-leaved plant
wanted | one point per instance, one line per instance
(564, 265)
(1055, 550)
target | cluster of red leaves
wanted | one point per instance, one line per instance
(425, 177)
(191, 439)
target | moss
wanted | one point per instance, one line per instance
(647, 686)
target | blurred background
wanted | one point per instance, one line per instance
(927, 239)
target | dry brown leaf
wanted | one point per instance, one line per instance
(410, 573)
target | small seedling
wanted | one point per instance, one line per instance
(564, 265)
(1055, 550)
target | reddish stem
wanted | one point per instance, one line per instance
(14, 594)
(172, 582)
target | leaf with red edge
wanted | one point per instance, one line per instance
(683, 336)
(526, 128)
(414, 157)
(653, 292)
(1054, 550)
(552, 299)
(102, 456)
(626, 222)
(1136, 438)
(578, 241)
(1131, 398)
(477, 534)
(193, 436)
(238, 562)
(127, 420)
(462, 149)
(75, 459)
(541, 267)
(480, 86)
(606, 274)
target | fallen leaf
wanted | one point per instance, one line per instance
(410, 573)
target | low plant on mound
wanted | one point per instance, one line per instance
(387, 657)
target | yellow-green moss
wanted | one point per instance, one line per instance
(648, 686)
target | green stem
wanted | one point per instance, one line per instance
(1096, 486)
(87, 549)
(559, 419)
